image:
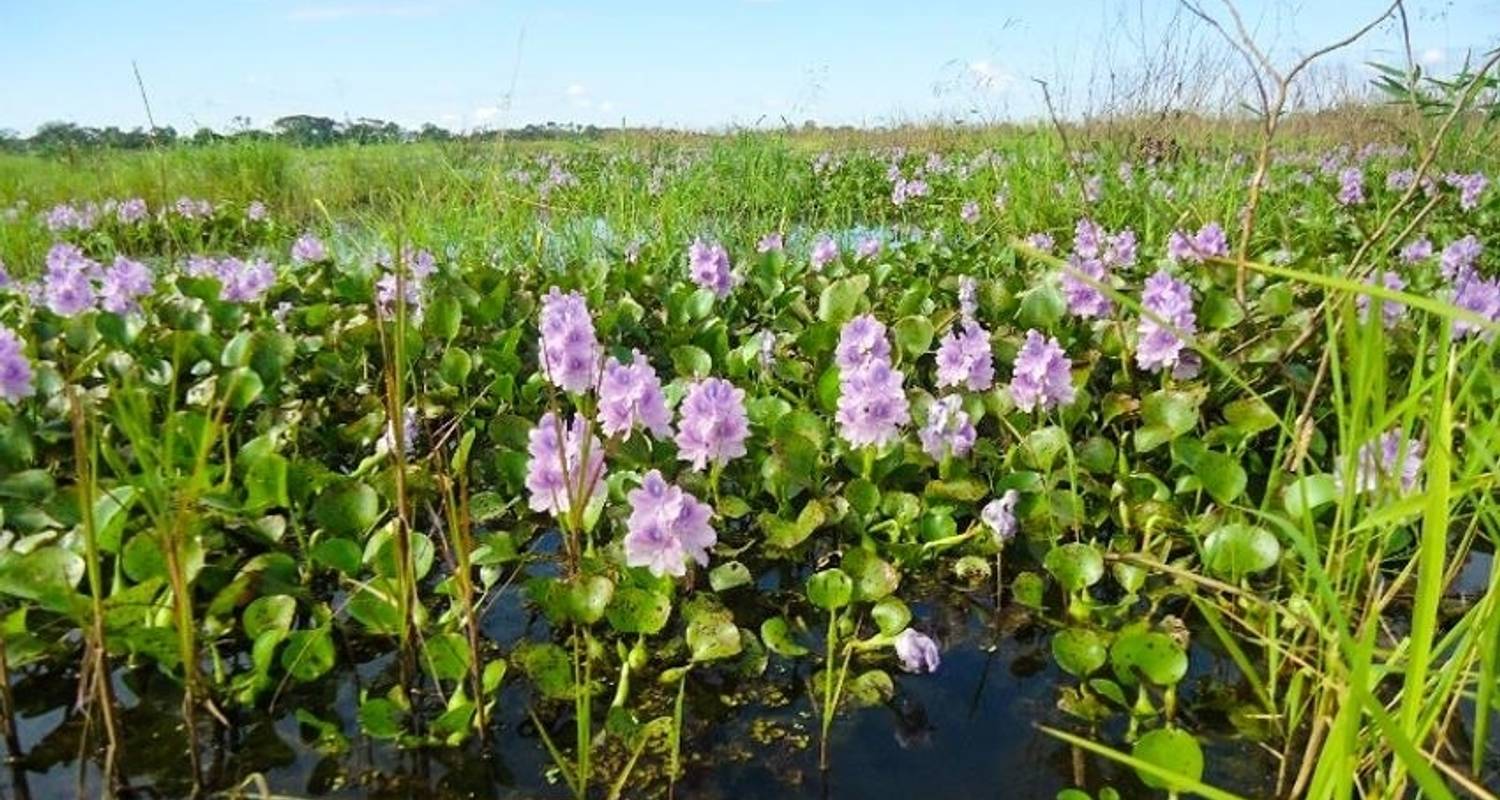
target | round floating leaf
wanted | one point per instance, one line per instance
(1027, 589)
(587, 597)
(913, 335)
(1078, 651)
(870, 688)
(244, 387)
(777, 635)
(1076, 565)
(1155, 656)
(1236, 550)
(713, 636)
(840, 299)
(272, 613)
(873, 577)
(1174, 750)
(447, 655)
(830, 589)
(891, 616)
(728, 575)
(1308, 494)
(380, 718)
(308, 654)
(348, 508)
(637, 610)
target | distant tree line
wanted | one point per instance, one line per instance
(302, 130)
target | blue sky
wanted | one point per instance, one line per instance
(704, 64)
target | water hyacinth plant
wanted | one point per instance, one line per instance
(499, 480)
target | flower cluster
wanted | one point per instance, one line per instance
(964, 359)
(309, 249)
(968, 297)
(1168, 307)
(569, 352)
(667, 528)
(868, 248)
(872, 405)
(969, 213)
(770, 243)
(1460, 257)
(708, 266)
(1209, 242)
(15, 369)
(1392, 457)
(824, 251)
(409, 289)
(1469, 187)
(1041, 376)
(1351, 187)
(123, 284)
(1095, 253)
(999, 515)
(917, 651)
(68, 285)
(239, 281)
(903, 190)
(713, 427)
(566, 464)
(630, 397)
(948, 431)
(1391, 311)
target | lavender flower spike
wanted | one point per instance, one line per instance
(917, 651)
(667, 528)
(1041, 376)
(714, 426)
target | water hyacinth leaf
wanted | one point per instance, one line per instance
(1075, 565)
(265, 482)
(244, 387)
(729, 575)
(691, 362)
(830, 589)
(962, 490)
(1250, 415)
(1308, 494)
(381, 718)
(913, 335)
(375, 611)
(840, 299)
(46, 575)
(863, 495)
(493, 675)
(1040, 448)
(634, 610)
(274, 613)
(32, 485)
(455, 366)
(1236, 550)
(349, 508)
(587, 598)
(1172, 749)
(308, 654)
(447, 654)
(444, 317)
(337, 554)
(973, 571)
(1154, 656)
(713, 636)
(1097, 455)
(1079, 651)
(381, 552)
(870, 688)
(891, 616)
(777, 635)
(873, 577)
(1166, 415)
(1041, 308)
(549, 667)
(1218, 473)
(786, 535)
(1028, 589)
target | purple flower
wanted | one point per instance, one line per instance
(409, 433)
(999, 515)
(308, 249)
(969, 213)
(569, 352)
(1351, 187)
(868, 247)
(1391, 311)
(968, 297)
(1469, 187)
(770, 243)
(630, 397)
(388, 291)
(667, 527)
(15, 369)
(1041, 376)
(1392, 457)
(1167, 312)
(245, 281)
(824, 250)
(1460, 257)
(1475, 294)
(903, 190)
(1093, 189)
(188, 208)
(964, 359)
(1417, 251)
(872, 406)
(1400, 180)
(708, 266)
(1209, 242)
(861, 341)
(559, 471)
(67, 287)
(1084, 299)
(131, 211)
(917, 651)
(124, 282)
(948, 430)
(256, 211)
(713, 426)
(1041, 241)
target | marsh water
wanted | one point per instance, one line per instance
(967, 731)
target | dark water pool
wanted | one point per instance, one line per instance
(967, 731)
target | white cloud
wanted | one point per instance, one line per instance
(988, 77)
(1433, 55)
(485, 114)
(576, 90)
(607, 106)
